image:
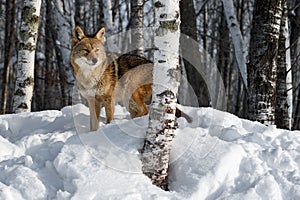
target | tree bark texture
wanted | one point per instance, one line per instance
(26, 55)
(166, 79)
(281, 109)
(9, 34)
(262, 66)
(136, 26)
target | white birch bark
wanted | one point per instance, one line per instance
(27, 44)
(289, 83)
(166, 79)
(237, 38)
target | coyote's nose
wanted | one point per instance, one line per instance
(94, 60)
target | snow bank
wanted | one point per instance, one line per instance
(51, 155)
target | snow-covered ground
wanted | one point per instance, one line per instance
(51, 155)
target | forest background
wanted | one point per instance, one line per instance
(205, 21)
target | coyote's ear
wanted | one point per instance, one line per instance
(78, 34)
(100, 35)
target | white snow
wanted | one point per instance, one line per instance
(51, 155)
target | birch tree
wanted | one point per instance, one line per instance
(26, 54)
(136, 25)
(262, 66)
(166, 78)
(237, 38)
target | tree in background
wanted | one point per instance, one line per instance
(64, 23)
(282, 119)
(166, 80)
(262, 66)
(190, 48)
(9, 35)
(294, 18)
(136, 26)
(202, 20)
(27, 44)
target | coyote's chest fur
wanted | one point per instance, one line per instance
(91, 79)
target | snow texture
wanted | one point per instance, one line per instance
(51, 155)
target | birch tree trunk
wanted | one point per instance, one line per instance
(26, 55)
(289, 80)
(262, 66)
(237, 38)
(136, 25)
(166, 79)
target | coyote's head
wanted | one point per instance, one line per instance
(88, 51)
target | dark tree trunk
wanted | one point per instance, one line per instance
(281, 109)
(51, 92)
(9, 34)
(262, 66)
(188, 27)
(294, 17)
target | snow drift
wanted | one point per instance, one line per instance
(51, 155)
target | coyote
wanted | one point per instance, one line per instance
(107, 79)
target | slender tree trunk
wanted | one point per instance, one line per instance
(294, 17)
(188, 27)
(40, 60)
(237, 38)
(108, 16)
(51, 93)
(281, 109)
(79, 14)
(224, 55)
(289, 80)
(262, 66)
(64, 20)
(26, 56)
(136, 26)
(9, 34)
(166, 79)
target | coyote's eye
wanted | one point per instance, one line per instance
(97, 50)
(85, 51)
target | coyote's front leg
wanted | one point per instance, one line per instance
(94, 107)
(109, 104)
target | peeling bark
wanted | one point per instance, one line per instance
(27, 43)
(166, 80)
